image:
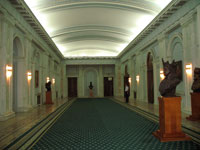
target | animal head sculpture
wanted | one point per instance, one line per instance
(167, 86)
(169, 68)
(196, 83)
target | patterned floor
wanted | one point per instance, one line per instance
(101, 124)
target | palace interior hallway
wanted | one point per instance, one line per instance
(54, 54)
(23, 122)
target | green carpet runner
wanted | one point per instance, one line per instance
(101, 124)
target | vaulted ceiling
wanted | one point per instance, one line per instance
(94, 27)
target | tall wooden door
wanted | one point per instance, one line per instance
(150, 86)
(108, 86)
(72, 87)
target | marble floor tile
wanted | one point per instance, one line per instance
(154, 109)
(14, 127)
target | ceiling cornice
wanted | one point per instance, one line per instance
(27, 14)
(23, 9)
(90, 60)
(157, 21)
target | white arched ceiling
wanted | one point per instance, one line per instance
(94, 27)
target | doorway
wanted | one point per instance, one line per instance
(150, 86)
(108, 86)
(72, 87)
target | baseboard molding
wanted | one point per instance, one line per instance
(7, 116)
(28, 139)
(152, 117)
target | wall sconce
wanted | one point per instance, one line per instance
(162, 76)
(188, 69)
(137, 78)
(48, 79)
(129, 80)
(8, 71)
(109, 78)
(29, 75)
(53, 81)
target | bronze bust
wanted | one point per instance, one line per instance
(196, 83)
(90, 86)
(167, 86)
(48, 86)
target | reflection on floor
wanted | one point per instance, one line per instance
(22, 122)
(154, 110)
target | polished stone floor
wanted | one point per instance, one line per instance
(154, 109)
(16, 126)
(22, 122)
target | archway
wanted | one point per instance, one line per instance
(150, 86)
(18, 74)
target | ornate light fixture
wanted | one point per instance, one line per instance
(129, 80)
(188, 69)
(137, 78)
(162, 76)
(53, 80)
(29, 76)
(48, 79)
(9, 70)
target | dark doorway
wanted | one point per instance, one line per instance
(108, 86)
(150, 86)
(72, 87)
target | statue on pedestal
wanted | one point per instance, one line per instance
(167, 86)
(48, 86)
(196, 83)
(91, 87)
(48, 93)
(195, 97)
(170, 106)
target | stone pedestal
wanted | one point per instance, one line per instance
(48, 98)
(195, 103)
(170, 120)
(91, 93)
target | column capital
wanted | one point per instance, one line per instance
(198, 8)
(161, 37)
(8, 19)
(186, 20)
(28, 37)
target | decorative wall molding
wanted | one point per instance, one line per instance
(90, 61)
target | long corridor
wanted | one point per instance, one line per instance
(104, 124)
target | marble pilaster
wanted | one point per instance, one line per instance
(101, 81)
(130, 71)
(6, 108)
(197, 61)
(188, 38)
